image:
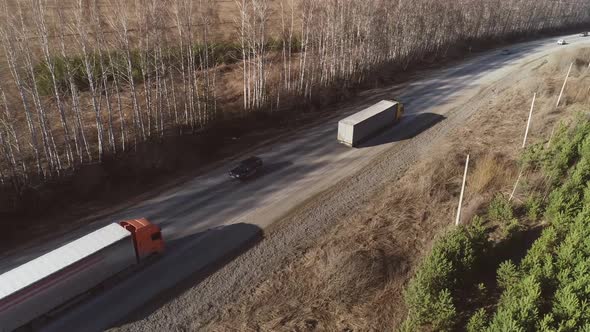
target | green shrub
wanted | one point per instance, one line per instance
(511, 227)
(566, 148)
(507, 275)
(478, 321)
(566, 201)
(445, 312)
(114, 63)
(549, 290)
(533, 206)
(423, 294)
(558, 264)
(408, 326)
(539, 261)
(546, 324)
(430, 294)
(518, 309)
(501, 211)
(568, 309)
(534, 156)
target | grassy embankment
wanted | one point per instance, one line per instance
(480, 277)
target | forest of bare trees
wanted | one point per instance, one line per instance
(95, 78)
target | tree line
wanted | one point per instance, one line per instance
(94, 80)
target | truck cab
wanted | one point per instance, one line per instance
(400, 112)
(147, 237)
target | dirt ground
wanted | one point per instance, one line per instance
(352, 277)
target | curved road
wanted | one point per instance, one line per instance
(296, 169)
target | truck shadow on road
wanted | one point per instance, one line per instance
(411, 126)
(196, 257)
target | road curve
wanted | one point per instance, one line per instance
(195, 214)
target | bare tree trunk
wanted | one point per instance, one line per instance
(121, 26)
(174, 100)
(39, 7)
(13, 133)
(8, 40)
(243, 16)
(115, 73)
(100, 41)
(145, 31)
(71, 87)
(179, 8)
(79, 122)
(49, 146)
(83, 38)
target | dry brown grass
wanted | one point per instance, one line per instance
(488, 172)
(353, 278)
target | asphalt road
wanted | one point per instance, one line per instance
(210, 216)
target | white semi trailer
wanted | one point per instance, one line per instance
(48, 282)
(366, 123)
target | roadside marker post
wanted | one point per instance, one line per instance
(564, 83)
(551, 136)
(457, 222)
(515, 186)
(528, 124)
(526, 132)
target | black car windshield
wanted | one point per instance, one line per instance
(249, 162)
(240, 169)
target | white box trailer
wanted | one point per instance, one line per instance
(38, 287)
(366, 123)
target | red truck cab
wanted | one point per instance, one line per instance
(147, 237)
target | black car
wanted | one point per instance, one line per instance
(246, 168)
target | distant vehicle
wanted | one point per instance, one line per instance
(246, 168)
(368, 122)
(561, 42)
(584, 34)
(505, 52)
(52, 281)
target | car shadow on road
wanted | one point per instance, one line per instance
(409, 127)
(201, 255)
(268, 169)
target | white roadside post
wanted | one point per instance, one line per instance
(526, 132)
(528, 124)
(462, 191)
(515, 186)
(564, 83)
(551, 136)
